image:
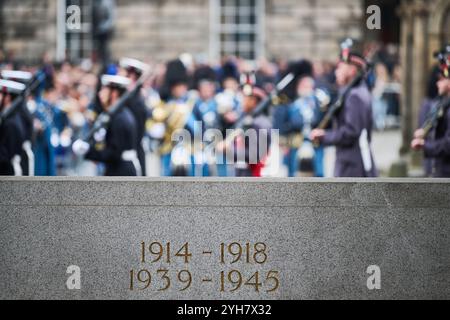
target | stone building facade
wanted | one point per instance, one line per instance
(163, 29)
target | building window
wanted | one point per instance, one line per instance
(237, 28)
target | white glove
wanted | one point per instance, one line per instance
(100, 135)
(157, 131)
(80, 148)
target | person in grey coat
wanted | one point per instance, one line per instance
(352, 133)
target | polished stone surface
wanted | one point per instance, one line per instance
(322, 235)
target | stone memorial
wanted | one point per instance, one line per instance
(189, 239)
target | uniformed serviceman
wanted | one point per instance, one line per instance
(12, 133)
(436, 145)
(118, 151)
(352, 133)
(134, 70)
(305, 113)
(204, 113)
(252, 154)
(171, 117)
(27, 155)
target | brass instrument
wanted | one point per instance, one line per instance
(167, 119)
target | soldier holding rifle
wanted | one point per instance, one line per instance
(27, 155)
(353, 118)
(118, 151)
(434, 137)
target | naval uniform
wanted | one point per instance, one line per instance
(11, 141)
(27, 154)
(119, 152)
(138, 108)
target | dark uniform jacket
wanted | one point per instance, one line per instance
(438, 147)
(120, 137)
(27, 121)
(354, 119)
(11, 141)
(138, 108)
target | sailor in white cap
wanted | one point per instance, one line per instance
(11, 129)
(28, 159)
(17, 76)
(117, 147)
(134, 69)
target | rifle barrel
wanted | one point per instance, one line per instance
(104, 118)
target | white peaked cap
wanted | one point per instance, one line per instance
(116, 81)
(12, 86)
(22, 76)
(127, 63)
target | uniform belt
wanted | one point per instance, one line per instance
(27, 147)
(132, 156)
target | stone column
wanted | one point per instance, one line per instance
(405, 12)
(419, 65)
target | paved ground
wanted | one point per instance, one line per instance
(386, 146)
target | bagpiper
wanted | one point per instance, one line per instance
(434, 137)
(118, 151)
(252, 150)
(353, 123)
(12, 132)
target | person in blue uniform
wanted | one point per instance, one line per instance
(205, 113)
(12, 132)
(134, 70)
(436, 145)
(44, 151)
(177, 161)
(352, 132)
(118, 151)
(305, 114)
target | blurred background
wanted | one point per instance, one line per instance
(264, 35)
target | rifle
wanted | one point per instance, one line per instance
(339, 104)
(435, 115)
(272, 98)
(34, 83)
(105, 117)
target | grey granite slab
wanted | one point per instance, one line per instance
(321, 235)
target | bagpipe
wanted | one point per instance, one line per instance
(278, 96)
(436, 114)
(104, 118)
(36, 81)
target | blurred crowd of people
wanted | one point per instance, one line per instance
(65, 105)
